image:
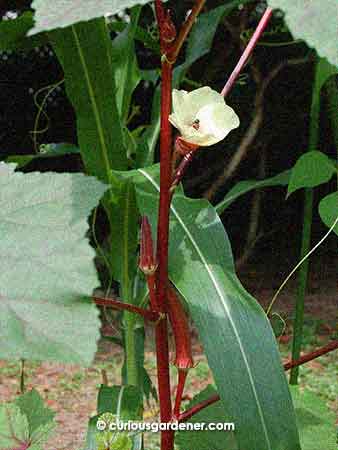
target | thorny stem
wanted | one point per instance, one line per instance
(186, 415)
(152, 316)
(247, 52)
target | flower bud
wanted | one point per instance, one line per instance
(148, 262)
(180, 326)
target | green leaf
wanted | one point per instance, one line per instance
(61, 13)
(312, 169)
(313, 21)
(110, 399)
(13, 33)
(126, 71)
(23, 424)
(14, 428)
(48, 274)
(205, 439)
(131, 401)
(328, 210)
(123, 218)
(316, 423)
(242, 187)
(84, 51)
(235, 333)
(31, 404)
(46, 151)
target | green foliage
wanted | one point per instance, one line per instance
(328, 210)
(203, 440)
(126, 71)
(315, 421)
(115, 402)
(130, 398)
(25, 422)
(230, 322)
(84, 51)
(312, 169)
(45, 151)
(31, 404)
(313, 21)
(243, 187)
(43, 223)
(13, 33)
(62, 13)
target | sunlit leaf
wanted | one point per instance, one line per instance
(61, 13)
(313, 21)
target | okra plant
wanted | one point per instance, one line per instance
(169, 254)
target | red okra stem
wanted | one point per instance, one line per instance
(182, 376)
(161, 330)
(247, 52)
(186, 415)
(153, 316)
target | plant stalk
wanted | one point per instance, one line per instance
(152, 316)
(247, 52)
(306, 236)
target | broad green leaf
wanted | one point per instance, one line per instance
(126, 71)
(316, 423)
(46, 151)
(206, 439)
(61, 13)
(48, 274)
(13, 33)
(313, 21)
(31, 404)
(312, 169)
(84, 51)
(243, 187)
(328, 210)
(14, 428)
(235, 333)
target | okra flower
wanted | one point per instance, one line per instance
(202, 116)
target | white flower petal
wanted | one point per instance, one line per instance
(217, 120)
(207, 109)
(179, 100)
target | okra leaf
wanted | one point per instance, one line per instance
(313, 21)
(62, 13)
(47, 266)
